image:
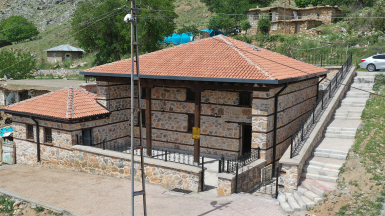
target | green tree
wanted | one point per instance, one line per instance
(17, 28)
(185, 29)
(355, 3)
(227, 16)
(264, 23)
(105, 31)
(245, 25)
(17, 64)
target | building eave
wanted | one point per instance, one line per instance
(55, 118)
(207, 79)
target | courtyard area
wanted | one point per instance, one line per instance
(88, 194)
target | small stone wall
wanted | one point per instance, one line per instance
(59, 72)
(248, 177)
(109, 163)
(293, 166)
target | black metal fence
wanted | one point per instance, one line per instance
(232, 165)
(308, 122)
(321, 59)
(157, 153)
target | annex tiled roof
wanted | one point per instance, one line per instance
(68, 104)
(217, 57)
(66, 48)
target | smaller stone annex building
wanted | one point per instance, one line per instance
(64, 53)
(242, 98)
(297, 19)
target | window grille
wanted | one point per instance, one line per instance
(245, 98)
(29, 131)
(48, 135)
(190, 95)
(190, 122)
(143, 93)
(143, 117)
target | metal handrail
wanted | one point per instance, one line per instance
(307, 123)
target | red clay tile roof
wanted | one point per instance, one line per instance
(214, 57)
(68, 103)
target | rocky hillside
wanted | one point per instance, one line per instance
(44, 13)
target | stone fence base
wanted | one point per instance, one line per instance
(248, 177)
(109, 163)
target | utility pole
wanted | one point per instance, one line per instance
(285, 16)
(132, 18)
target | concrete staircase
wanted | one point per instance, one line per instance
(320, 172)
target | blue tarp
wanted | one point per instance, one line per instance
(177, 39)
(214, 32)
(5, 130)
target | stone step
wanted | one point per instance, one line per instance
(323, 165)
(358, 95)
(330, 151)
(329, 155)
(284, 205)
(312, 196)
(300, 201)
(343, 129)
(342, 136)
(346, 117)
(321, 171)
(321, 193)
(309, 203)
(363, 79)
(353, 103)
(319, 177)
(332, 131)
(347, 113)
(293, 203)
(350, 110)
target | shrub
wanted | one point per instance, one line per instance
(264, 23)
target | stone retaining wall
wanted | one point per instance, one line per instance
(293, 166)
(108, 163)
(59, 72)
(248, 177)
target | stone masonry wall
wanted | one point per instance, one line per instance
(170, 129)
(107, 163)
(293, 104)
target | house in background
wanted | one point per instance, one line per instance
(297, 19)
(64, 53)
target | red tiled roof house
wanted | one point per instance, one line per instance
(224, 86)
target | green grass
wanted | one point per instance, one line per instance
(6, 205)
(192, 12)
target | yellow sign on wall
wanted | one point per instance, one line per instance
(196, 133)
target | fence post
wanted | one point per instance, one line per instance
(236, 177)
(165, 153)
(314, 113)
(223, 163)
(203, 173)
(322, 100)
(104, 144)
(291, 147)
(219, 165)
(77, 139)
(302, 124)
(259, 152)
(276, 183)
(321, 59)
(228, 164)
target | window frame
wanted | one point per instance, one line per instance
(243, 100)
(46, 135)
(189, 94)
(30, 131)
(190, 121)
(144, 92)
(143, 118)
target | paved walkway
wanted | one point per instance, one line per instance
(99, 195)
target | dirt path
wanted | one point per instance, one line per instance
(98, 195)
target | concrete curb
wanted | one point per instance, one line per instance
(39, 203)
